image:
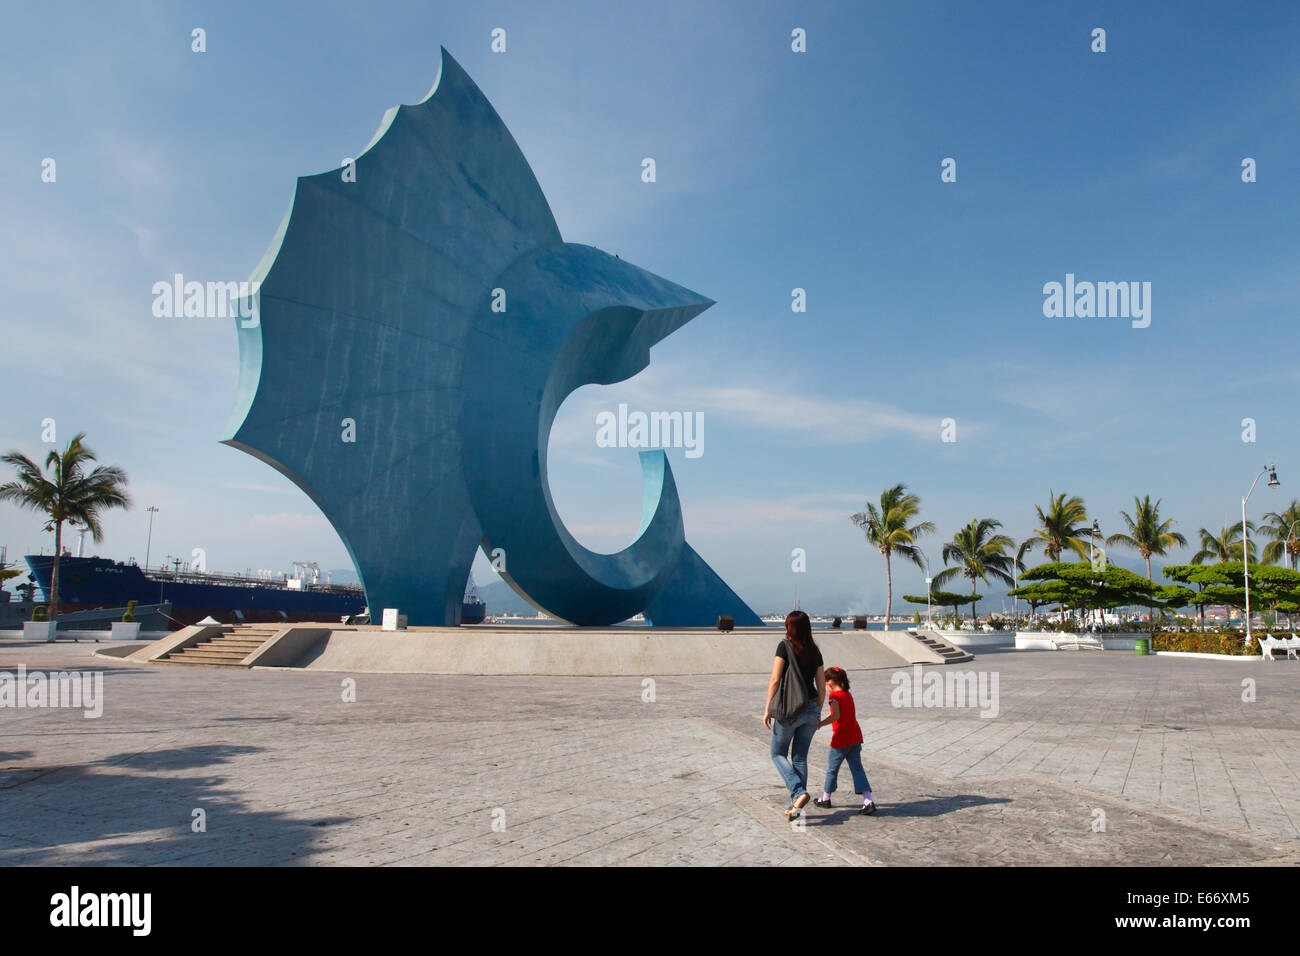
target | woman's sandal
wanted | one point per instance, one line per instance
(800, 802)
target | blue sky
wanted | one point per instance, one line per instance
(775, 170)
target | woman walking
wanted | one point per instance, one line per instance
(791, 739)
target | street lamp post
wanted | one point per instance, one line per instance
(928, 620)
(1271, 471)
(152, 511)
(1015, 586)
(1092, 554)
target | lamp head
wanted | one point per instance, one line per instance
(1272, 477)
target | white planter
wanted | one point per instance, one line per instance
(39, 630)
(1035, 641)
(126, 631)
(979, 638)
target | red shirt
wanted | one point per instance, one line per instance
(845, 731)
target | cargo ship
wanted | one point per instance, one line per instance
(90, 583)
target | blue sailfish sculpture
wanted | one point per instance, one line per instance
(382, 381)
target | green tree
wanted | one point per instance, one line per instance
(1080, 585)
(1062, 526)
(1223, 547)
(70, 495)
(941, 599)
(1284, 528)
(887, 529)
(978, 553)
(1276, 589)
(1147, 534)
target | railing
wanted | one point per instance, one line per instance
(240, 580)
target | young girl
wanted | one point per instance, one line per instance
(846, 741)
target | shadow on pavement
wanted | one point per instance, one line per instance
(99, 815)
(927, 807)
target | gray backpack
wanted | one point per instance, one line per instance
(791, 695)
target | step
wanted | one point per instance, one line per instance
(235, 652)
(195, 663)
(199, 659)
(208, 652)
(949, 653)
(217, 651)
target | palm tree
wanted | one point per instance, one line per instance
(978, 553)
(70, 495)
(1147, 534)
(1280, 526)
(1064, 525)
(887, 530)
(1223, 547)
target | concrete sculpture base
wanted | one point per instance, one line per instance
(555, 651)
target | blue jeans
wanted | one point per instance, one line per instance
(794, 739)
(854, 756)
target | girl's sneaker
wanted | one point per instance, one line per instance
(822, 803)
(868, 809)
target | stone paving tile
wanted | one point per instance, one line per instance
(587, 773)
(1022, 821)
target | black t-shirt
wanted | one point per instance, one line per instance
(809, 661)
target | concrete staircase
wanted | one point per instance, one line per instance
(950, 653)
(229, 650)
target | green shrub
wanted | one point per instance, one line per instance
(1211, 642)
(39, 613)
(129, 616)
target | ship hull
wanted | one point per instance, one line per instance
(91, 583)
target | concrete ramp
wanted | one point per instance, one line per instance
(585, 652)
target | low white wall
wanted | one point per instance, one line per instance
(977, 638)
(1047, 640)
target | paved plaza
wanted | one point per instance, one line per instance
(1093, 759)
